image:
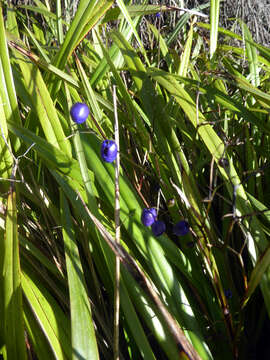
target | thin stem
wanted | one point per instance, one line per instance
(117, 234)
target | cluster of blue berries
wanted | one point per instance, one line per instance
(79, 113)
(149, 218)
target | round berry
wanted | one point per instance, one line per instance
(228, 293)
(153, 211)
(181, 228)
(171, 202)
(108, 150)
(158, 227)
(79, 112)
(158, 15)
(148, 216)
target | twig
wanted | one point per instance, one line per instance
(192, 12)
(117, 233)
(16, 161)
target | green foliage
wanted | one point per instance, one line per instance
(194, 143)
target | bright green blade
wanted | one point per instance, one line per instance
(214, 19)
(13, 316)
(84, 343)
(48, 315)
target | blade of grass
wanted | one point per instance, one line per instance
(94, 106)
(39, 10)
(47, 9)
(43, 54)
(7, 160)
(130, 22)
(59, 22)
(42, 103)
(185, 57)
(259, 271)
(84, 343)
(45, 65)
(114, 54)
(214, 19)
(48, 314)
(182, 22)
(7, 92)
(39, 341)
(88, 13)
(30, 248)
(13, 317)
(130, 103)
(162, 46)
(82, 162)
(263, 49)
(133, 11)
(252, 56)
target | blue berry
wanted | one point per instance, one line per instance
(148, 216)
(181, 228)
(108, 150)
(153, 212)
(79, 112)
(158, 14)
(228, 293)
(158, 227)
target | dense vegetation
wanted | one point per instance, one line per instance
(188, 104)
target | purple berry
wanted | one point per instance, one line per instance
(158, 227)
(79, 112)
(108, 150)
(148, 216)
(153, 212)
(181, 228)
(228, 293)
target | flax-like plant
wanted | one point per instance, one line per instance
(193, 123)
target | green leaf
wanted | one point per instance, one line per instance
(182, 22)
(260, 270)
(130, 22)
(87, 15)
(42, 104)
(251, 56)
(13, 316)
(60, 32)
(133, 11)
(35, 333)
(84, 343)
(7, 89)
(185, 58)
(214, 19)
(48, 315)
(7, 160)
